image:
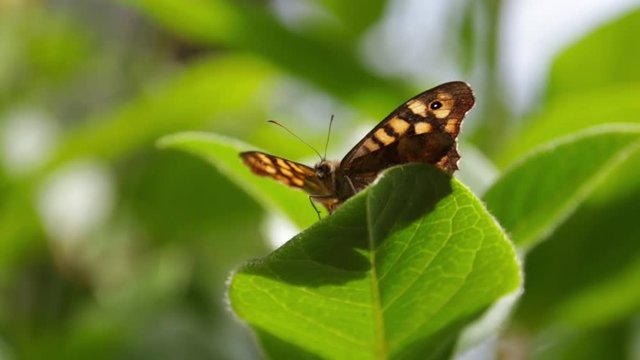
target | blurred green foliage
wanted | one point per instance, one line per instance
(133, 262)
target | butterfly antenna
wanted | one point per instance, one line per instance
(297, 137)
(326, 145)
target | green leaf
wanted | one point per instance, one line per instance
(567, 113)
(536, 195)
(612, 342)
(356, 15)
(594, 261)
(578, 191)
(608, 94)
(619, 292)
(395, 273)
(223, 153)
(333, 67)
(203, 91)
(608, 56)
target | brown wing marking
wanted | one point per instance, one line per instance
(432, 148)
(424, 129)
(284, 171)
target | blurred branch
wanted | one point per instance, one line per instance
(496, 116)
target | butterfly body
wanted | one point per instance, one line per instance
(424, 129)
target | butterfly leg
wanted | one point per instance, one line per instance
(311, 197)
(353, 188)
(330, 202)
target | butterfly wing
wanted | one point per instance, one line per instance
(285, 171)
(424, 129)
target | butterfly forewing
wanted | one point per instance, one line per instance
(285, 171)
(423, 129)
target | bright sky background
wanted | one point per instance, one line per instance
(535, 30)
(409, 41)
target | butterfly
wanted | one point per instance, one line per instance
(423, 129)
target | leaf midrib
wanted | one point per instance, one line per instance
(381, 347)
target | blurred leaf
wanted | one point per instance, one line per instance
(205, 91)
(536, 195)
(580, 192)
(567, 113)
(595, 81)
(335, 69)
(612, 342)
(356, 15)
(179, 196)
(586, 275)
(619, 292)
(102, 324)
(38, 49)
(585, 271)
(399, 269)
(605, 57)
(223, 153)
(199, 20)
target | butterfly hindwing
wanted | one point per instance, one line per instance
(423, 129)
(284, 171)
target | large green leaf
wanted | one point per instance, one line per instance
(223, 153)
(594, 261)
(603, 58)
(395, 273)
(536, 195)
(595, 81)
(576, 192)
(567, 113)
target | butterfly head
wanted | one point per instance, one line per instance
(325, 169)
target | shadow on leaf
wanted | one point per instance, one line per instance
(338, 248)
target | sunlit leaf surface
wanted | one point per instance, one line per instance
(394, 273)
(533, 197)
